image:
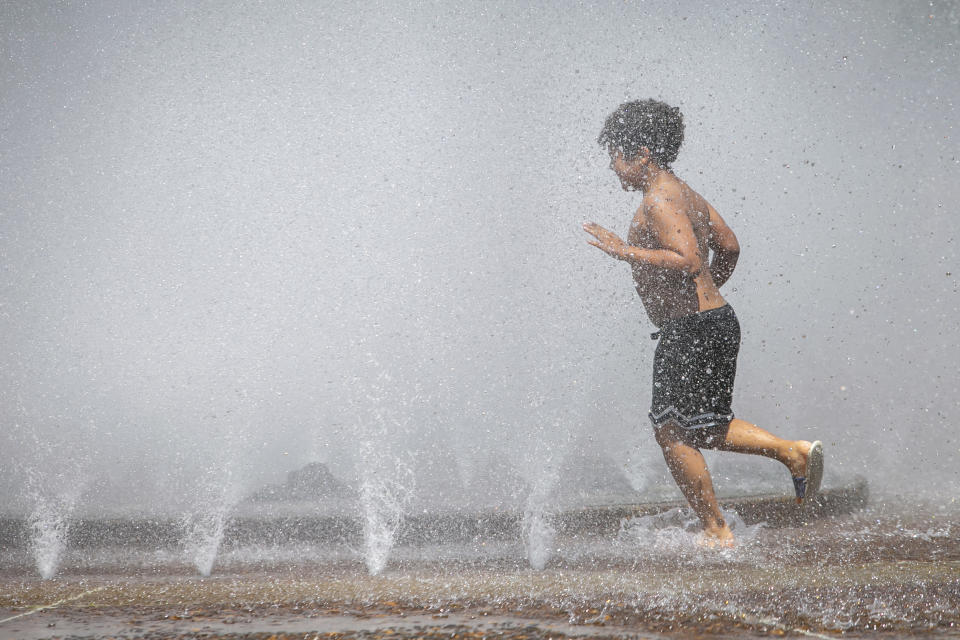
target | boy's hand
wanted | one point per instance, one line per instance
(606, 240)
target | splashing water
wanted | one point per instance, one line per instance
(203, 533)
(53, 487)
(388, 482)
(49, 524)
(677, 532)
(384, 496)
(203, 528)
(539, 535)
(538, 531)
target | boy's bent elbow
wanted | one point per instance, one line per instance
(730, 245)
(731, 255)
(725, 243)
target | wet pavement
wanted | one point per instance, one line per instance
(874, 572)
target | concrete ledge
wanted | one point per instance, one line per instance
(775, 511)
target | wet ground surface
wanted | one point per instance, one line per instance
(872, 573)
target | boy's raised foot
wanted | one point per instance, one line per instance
(806, 482)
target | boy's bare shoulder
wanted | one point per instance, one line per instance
(667, 194)
(689, 201)
(666, 201)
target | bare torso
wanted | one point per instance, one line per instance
(668, 293)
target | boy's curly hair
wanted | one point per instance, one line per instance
(644, 123)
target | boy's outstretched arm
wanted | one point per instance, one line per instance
(726, 249)
(674, 232)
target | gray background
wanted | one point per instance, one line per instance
(239, 237)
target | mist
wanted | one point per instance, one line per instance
(238, 238)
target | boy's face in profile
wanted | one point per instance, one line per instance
(629, 171)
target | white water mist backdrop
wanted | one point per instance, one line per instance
(224, 225)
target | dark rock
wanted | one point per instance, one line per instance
(311, 482)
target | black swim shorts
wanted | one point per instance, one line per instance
(693, 371)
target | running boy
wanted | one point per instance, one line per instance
(667, 247)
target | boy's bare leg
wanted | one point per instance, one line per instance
(743, 437)
(690, 471)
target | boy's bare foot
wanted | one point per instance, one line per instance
(717, 538)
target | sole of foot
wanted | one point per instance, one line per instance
(814, 471)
